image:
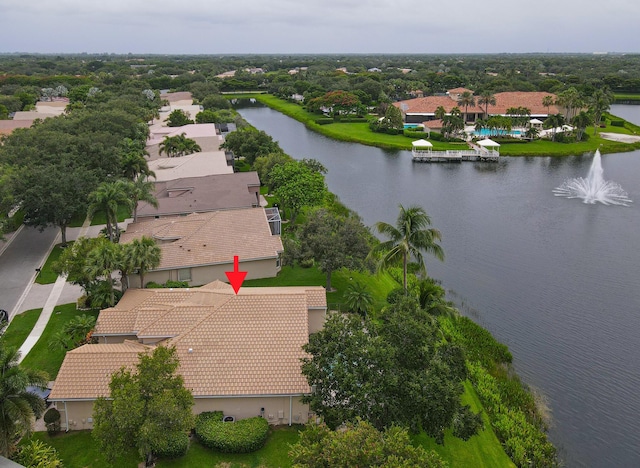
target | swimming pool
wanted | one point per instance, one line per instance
(488, 132)
(408, 126)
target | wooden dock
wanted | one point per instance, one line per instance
(456, 155)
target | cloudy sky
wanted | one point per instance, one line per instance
(318, 26)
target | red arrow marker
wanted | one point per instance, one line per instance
(236, 278)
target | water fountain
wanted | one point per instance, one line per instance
(594, 188)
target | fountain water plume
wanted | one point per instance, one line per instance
(594, 188)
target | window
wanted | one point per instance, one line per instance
(184, 274)
(279, 261)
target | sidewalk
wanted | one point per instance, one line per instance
(34, 294)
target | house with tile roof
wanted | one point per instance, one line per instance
(199, 164)
(200, 248)
(203, 194)
(239, 353)
(421, 110)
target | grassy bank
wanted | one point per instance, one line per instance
(626, 97)
(46, 275)
(360, 133)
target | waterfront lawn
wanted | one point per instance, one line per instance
(380, 284)
(19, 328)
(46, 275)
(482, 450)
(41, 357)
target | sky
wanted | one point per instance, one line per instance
(318, 26)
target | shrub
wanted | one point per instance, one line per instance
(435, 136)
(477, 342)
(52, 420)
(306, 262)
(324, 120)
(414, 133)
(617, 123)
(177, 446)
(244, 436)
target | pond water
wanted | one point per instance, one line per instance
(555, 279)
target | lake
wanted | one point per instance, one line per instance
(555, 279)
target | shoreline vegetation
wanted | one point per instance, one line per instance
(358, 132)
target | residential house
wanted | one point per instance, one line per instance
(239, 354)
(200, 247)
(203, 194)
(8, 126)
(191, 165)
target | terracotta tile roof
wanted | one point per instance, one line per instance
(459, 91)
(8, 126)
(202, 194)
(178, 96)
(437, 123)
(209, 238)
(531, 100)
(86, 371)
(228, 344)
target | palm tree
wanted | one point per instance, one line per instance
(440, 113)
(547, 102)
(135, 165)
(466, 99)
(107, 198)
(18, 407)
(486, 99)
(599, 103)
(581, 122)
(408, 238)
(142, 190)
(102, 261)
(358, 298)
(532, 133)
(145, 256)
(554, 121)
(178, 145)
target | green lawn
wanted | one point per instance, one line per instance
(626, 97)
(46, 275)
(100, 218)
(43, 358)
(482, 450)
(379, 284)
(19, 328)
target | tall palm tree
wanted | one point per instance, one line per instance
(145, 256)
(466, 99)
(408, 239)
(107, 198)
(134, 165)
(547, 102)
(17, 406)
(142, 190)
(178, 145)
(553, 122)
(599, 103)
(581, 121)
(486, 99)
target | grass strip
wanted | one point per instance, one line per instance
(20, 327)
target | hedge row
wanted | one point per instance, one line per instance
(177, 446)
(244, 436)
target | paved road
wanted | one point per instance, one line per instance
(26, 252)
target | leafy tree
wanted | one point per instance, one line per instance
(37, 454)
(144, 255)
(263, 165)
(53, 194)
(390, 373)
(334, 241)
(339, 102)
(297, 186)
(107, 198)
(250, 143)
(215, 102)
(408, 238)
(17, 406)
(178, 118)
(73, 261)
(358, 445)
(146, 409)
